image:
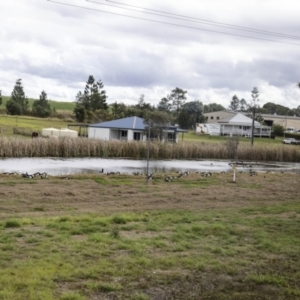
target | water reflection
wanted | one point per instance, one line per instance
(62, 166)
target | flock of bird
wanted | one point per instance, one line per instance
(150, 176)
(40, 175)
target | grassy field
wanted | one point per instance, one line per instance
(191, 136)
(29, 124)
(115, 237)
(7, 123)
(58, 105)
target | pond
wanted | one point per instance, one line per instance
(69, 166)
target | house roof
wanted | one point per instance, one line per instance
(135, 123)
(238, 119)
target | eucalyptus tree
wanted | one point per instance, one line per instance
(173, 102)
(165, 105)
(244, 106)
(190, 114)
(234, 104)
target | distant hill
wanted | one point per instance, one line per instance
(59, 106)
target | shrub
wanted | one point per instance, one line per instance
(12, 224)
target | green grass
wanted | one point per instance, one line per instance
(7, 123)
(58, 105)
(191, 136)
(90, 254)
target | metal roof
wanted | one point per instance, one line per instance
(238, 119)
(135, 123)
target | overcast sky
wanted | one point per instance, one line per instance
(55, 48)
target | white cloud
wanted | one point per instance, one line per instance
(55, 48)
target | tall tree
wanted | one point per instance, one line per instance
(117, 110)
(41, 107)
(190, 114)
(243, 105)
(178, 97)
(143, 107)
(0, 97)
(18, 102)
(165, 105)
(92, 99)
(173, 102)
(297, 111)
(234, 104)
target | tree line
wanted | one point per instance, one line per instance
(91, 106)
(241, 105)
(18, 103)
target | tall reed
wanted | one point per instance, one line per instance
(84, 147)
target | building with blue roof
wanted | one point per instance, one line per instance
(131, 128)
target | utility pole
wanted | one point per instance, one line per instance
(148, 152)
(255, 95)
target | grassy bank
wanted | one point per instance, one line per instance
(83, 147)
(114, 237)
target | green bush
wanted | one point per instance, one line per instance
(12, 224)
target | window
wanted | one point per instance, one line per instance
(171, 136)
(123, 134)
(136, 136)
(211, 117)
(218, 118)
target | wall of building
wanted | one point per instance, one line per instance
(114, 134)
(214, 117)
(285, 121)
(99, 133)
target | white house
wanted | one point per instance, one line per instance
(241, 125)
(283, 120)
(131, 128)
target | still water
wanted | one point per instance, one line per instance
(62, 166)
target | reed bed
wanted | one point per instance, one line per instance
(83, 147)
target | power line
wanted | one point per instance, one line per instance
(172, 24)
(212, 23)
